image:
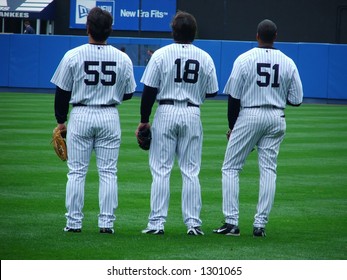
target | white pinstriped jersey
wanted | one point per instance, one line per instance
(91, 72)
(264, 76)
(181, 72)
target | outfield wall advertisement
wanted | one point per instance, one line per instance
(131, 15)
(27, 9)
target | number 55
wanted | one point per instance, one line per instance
(96, 74)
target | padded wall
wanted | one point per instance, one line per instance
(29, 61)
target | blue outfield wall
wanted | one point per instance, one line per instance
(30, 61)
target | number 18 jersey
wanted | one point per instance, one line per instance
(181, 72)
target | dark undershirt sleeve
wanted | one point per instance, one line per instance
(61, 104)
(209, 95)
(149, 95)
(127, 96)
(233, 111)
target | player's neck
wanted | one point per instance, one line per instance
(265, 45)
(93, 42)
(181, 42)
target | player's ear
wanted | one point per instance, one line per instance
(275, 37)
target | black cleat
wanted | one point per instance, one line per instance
(107, 230)
(195, 231)
(259, 232)
(153, 231)
(67, 229)
(228, 229)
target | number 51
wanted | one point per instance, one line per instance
(263, 73)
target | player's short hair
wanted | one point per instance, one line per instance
(267, 31)
(99, 24)
(184, 27)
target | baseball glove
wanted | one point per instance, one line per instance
(144, 137)
(59, 143)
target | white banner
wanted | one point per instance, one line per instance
(183, 269)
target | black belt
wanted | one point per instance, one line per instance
(172, 102)
(84, 105)
(266, 106)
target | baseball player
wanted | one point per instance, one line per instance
(263, 80)
(179, 76)
(95, 78)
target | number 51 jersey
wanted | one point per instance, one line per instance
(264, 77)
(95, 74)
(181, 72)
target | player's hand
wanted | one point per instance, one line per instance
(61, 126)
(140, 126)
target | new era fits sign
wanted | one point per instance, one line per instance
(81, 8)
(144, 15)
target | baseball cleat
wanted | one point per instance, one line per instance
(195, 231)
(153, 231)
(67, 229)
(259, 232)
(228, 229)
(107, 230)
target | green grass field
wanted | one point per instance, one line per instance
(308, 220)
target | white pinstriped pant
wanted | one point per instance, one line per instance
(92, 128)
(264, 128)
(176, 130)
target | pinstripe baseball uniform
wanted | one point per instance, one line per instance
(264, 80)
(183, 75)
(98, 76)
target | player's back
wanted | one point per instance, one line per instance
(100, 73)
(267, 75)
(181, 72)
